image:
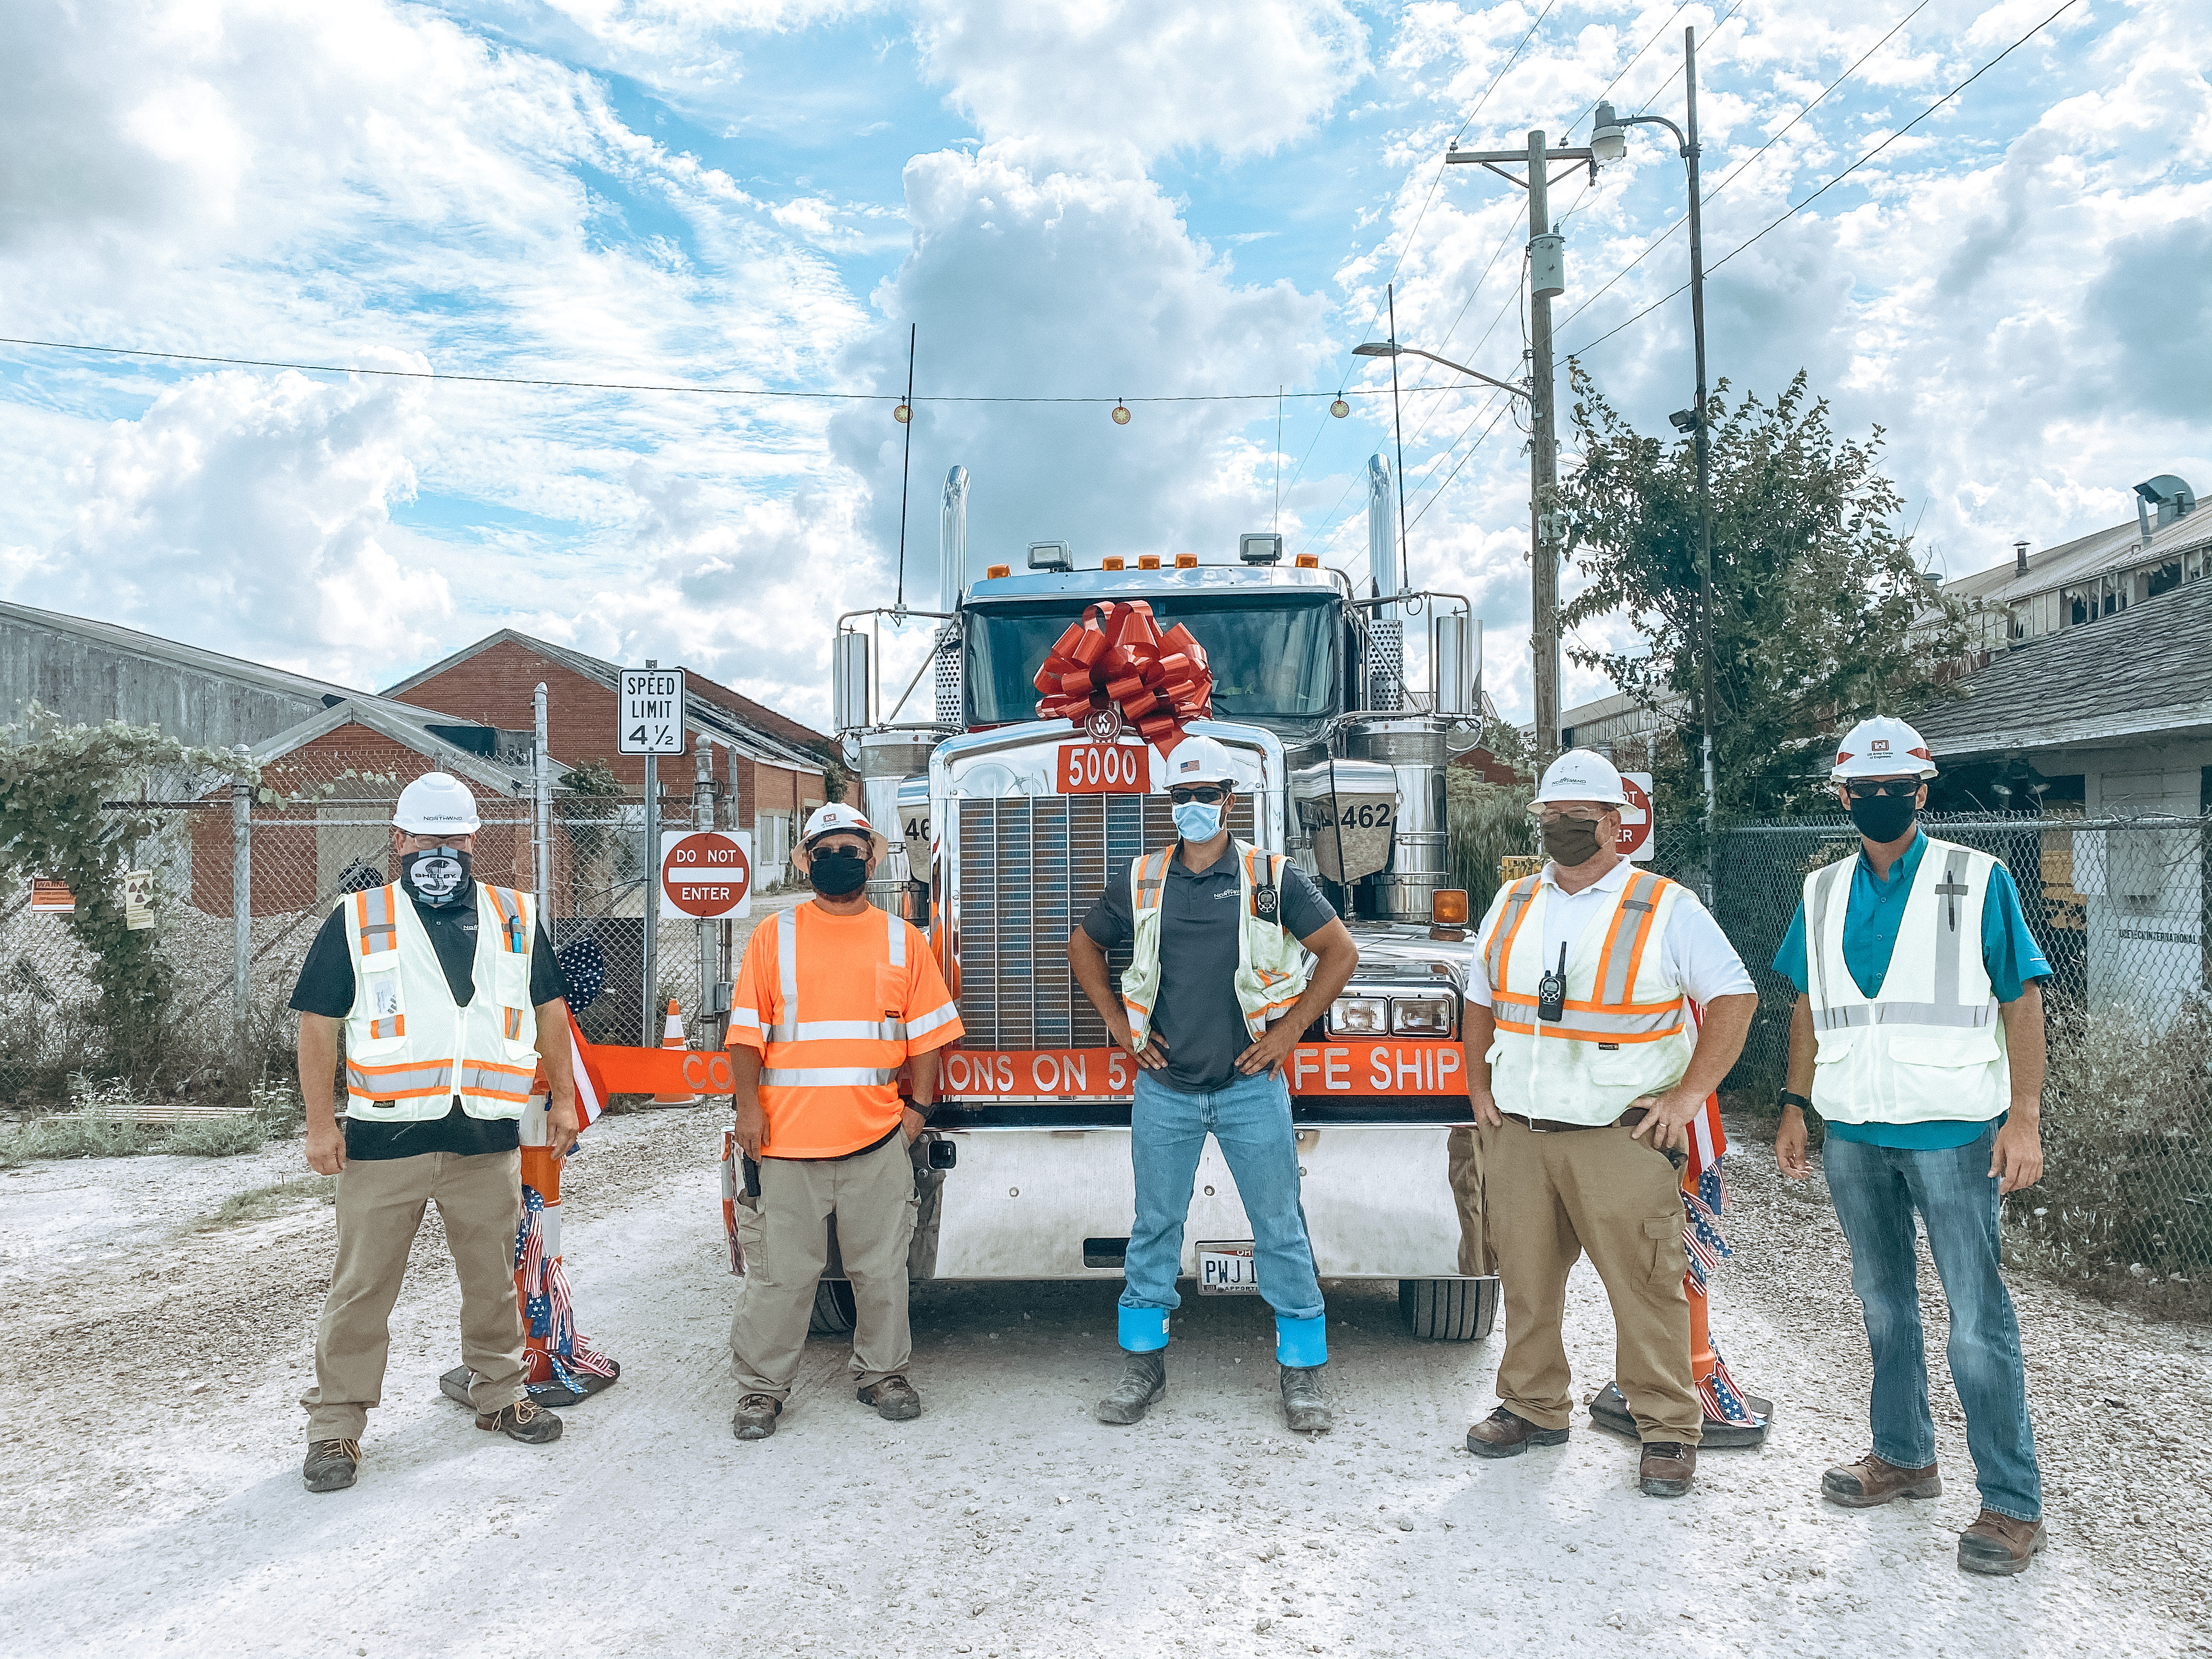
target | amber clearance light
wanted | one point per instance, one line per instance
(1447, 913)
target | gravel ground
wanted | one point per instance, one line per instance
(161, 1504)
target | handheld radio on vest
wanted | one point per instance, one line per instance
(1552, 992)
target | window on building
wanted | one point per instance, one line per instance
(2079, 604)
(2162, 579)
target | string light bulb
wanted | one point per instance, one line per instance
(902, 414)
(1121, 413)
(1340, 408)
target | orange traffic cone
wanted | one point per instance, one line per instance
(672, 1036)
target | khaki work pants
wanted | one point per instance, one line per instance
(785, 1233)
(380, 1204)
(1550, 1198)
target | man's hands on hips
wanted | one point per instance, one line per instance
(1271, 1050)
(1789, 1143)
(1153, 1056)
(1666, 1117)
(2016, 1160)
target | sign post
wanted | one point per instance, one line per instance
(649, 722)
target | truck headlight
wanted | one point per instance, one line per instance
(1359, 1016)
(1421, 1016)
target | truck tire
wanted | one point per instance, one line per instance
(1448, 1309)
(833, 1309)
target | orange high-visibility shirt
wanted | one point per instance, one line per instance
(836, 1005)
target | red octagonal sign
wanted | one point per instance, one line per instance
(706, 874)
(1637, 817)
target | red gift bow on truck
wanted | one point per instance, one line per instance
(1117, 657)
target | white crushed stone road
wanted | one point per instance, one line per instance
(150, 1499)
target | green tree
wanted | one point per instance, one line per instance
(1821, 616)
(54, 779)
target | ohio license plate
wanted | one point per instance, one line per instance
(1225, 1269)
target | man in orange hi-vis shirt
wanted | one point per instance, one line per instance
(835, 996)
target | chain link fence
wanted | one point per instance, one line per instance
(242, 881)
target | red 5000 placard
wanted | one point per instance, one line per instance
(1105, 769)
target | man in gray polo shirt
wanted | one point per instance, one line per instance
(1235, 954)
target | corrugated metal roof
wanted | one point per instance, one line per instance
(2083, 557)
(154, 648)
(2144, 672)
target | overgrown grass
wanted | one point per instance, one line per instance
(262, 1202)
(99, 1125)
(1485, 822)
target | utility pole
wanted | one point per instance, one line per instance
(1547, 524)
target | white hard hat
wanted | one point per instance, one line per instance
(436, 804)
(1200, 760)
(1582, 775)
(1881, 748)
(828, 820)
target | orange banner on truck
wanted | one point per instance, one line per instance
(1353, 1070)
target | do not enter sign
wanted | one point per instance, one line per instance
(1636, 818)
(707, 875)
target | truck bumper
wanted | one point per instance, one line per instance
(1380, 1202)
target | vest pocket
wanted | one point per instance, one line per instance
(1967, 1047)
(379, 1024)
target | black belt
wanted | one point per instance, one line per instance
(1545, 1125)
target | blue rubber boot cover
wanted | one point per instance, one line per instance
(1145, 1330)
(1299, 1342)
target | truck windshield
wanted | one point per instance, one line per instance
(1273, 658)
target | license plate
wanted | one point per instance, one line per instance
(1226, 1269)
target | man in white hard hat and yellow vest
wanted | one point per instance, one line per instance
(451, 1001)
(1234, 953)
(1583, 1066)
(1918, 1036)
(835, 998)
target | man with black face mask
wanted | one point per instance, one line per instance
(450, 999)
(1583, 1066)
(1919, 1034)
(834, 1000)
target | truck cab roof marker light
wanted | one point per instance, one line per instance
(997, 571)
(1112, 561)
(1185, 560)
(1308, 561)
(1148, 561)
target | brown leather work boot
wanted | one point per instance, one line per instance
(894, 1399)
(1502, 1434)
(1869, 1481)
(1999, 1546)
(524, 1420)
(1666, 1469)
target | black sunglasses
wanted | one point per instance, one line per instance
(1206, 795)
(1869, 788)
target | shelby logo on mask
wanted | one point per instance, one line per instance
(437, 876)
(836, 872)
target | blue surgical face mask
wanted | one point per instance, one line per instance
(1196, 820)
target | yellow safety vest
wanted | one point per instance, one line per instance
(1625, 1030)
(1931, 1045)
(411, 1049)
(1273, 969)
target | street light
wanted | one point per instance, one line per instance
(1609, 143)
(1390, 349)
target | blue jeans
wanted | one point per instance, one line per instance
(1876, 1189)
(1251, 1118)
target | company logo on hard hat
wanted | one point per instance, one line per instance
(1879, 747)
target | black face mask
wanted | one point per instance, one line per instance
(835, 874)
(1883, 817)
(1570, 842)
(437, 876)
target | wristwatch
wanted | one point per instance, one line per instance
(1798, 1100)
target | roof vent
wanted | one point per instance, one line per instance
(2172, 499)
(2019, 557)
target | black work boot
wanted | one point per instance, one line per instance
(330, 1464)
(1303, 1408)
(524, 1420)
(1144, 1381)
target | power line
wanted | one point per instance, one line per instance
(1797, 207)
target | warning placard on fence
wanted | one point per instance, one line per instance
(707, 876)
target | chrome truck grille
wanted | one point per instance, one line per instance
(1030, 868)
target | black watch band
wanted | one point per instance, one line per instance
(1798, 1100)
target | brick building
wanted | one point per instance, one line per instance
(767, 769)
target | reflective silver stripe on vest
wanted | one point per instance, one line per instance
(393, 1080)
(823, 1030)
(1947, 893)
(376, 906)
(786, 962)
(1903, 1013)
(827, 1076)
(1520, 1010)
(1816, 927)
(1642, 894)
(1517, 899)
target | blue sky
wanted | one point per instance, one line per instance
(1091, 199)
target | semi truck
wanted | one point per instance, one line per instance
(1005, 829)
